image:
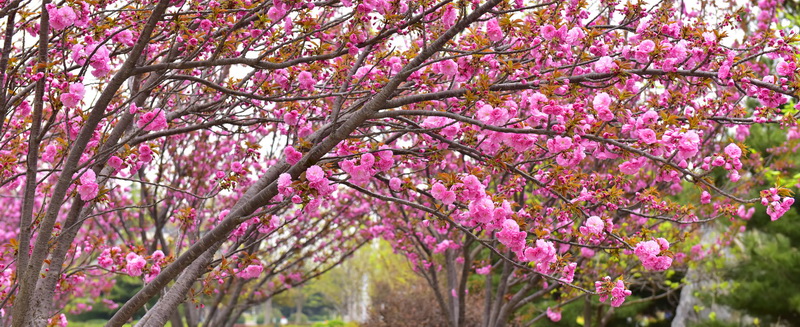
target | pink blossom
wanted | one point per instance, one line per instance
(547, 31)
(449, 68)
(284, 182)
(734, 176)
(385, 160)
(70, 100)
(315, 174)
(492, 115)
(88, 189)
(493, 30)
(688, 145)
(574, 36)
(482, 210)
(648, 253)
(616, 290)
(449, 16)
(559, 143)
(733, 151)
(49, 154)
(249, 272)
(291, 117)
(105, 260)
(709, 37)
(647, 136)
(152, 273)
(786, 69)
(124, 37)
(718, 161)
(145, 153)
(360, 173)
(205, 24)
(61, 18)
(100, 60)
(520, 142)
(593, 225)
(74, 96)
(115, 162)
(646, 46)
(745, 213)
(571, 159)
(619, 293)
(135, 264)
(318, 181)
(277, 12)
(451, 130)
(306, 81)
(77, 89)
(158, 255)
(544, 252)
(394, 184)
(24, 108)
(511, 236)
(632, 166)
(440, 192)
(601, 104)
(473, 189)
(642, 52)
(237, 167)
(648, 118)
(568, 273)
(605, 65)
(647, 249)
(485, 270)
(725, 70)
(442, 246)
(705, 198)
(292, 156)
(110, 304)
(554, 315)
(153, 120)
(777, 208)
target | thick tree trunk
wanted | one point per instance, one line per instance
(28, 285)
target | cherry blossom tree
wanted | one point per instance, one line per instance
(235, 148)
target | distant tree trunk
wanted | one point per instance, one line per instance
(587, 312)
(191, 313)
(298, 305)
(268, 312)
(176, 319)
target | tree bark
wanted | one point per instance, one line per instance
(168, 304)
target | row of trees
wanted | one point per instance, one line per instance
(226, 151)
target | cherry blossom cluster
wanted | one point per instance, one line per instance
(776, 204)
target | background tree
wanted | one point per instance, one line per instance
(766, 255)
